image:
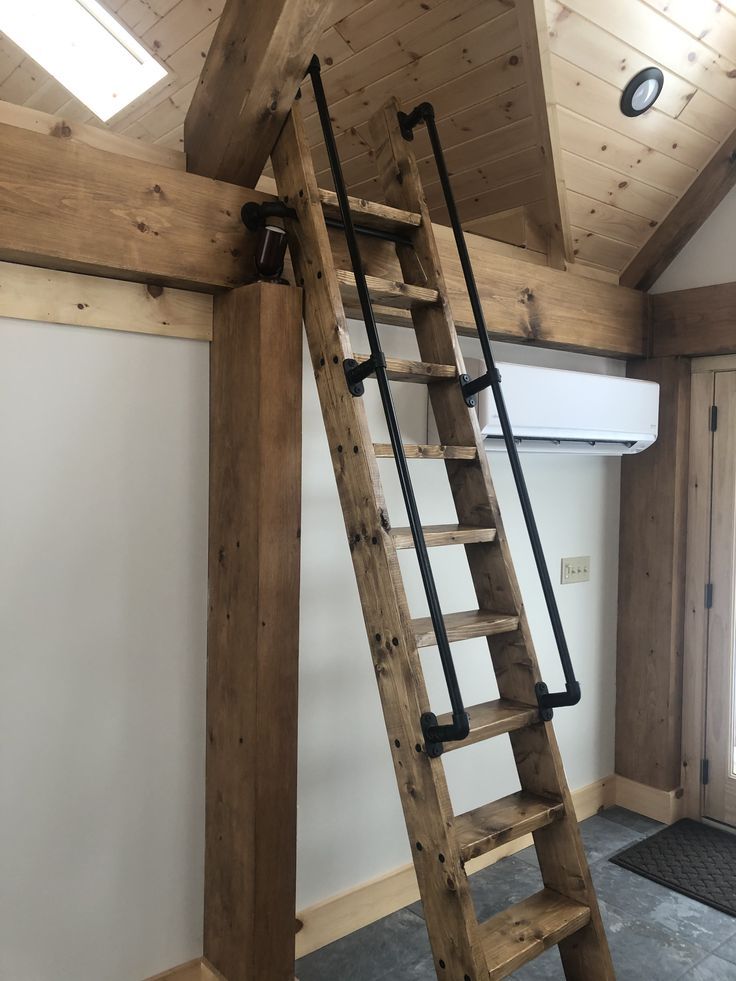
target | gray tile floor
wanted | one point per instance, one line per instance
(655, 934)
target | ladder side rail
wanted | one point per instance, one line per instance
(434, 734)
(548, 701)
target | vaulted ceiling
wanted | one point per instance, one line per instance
(620, 177)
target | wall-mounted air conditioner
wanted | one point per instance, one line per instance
(571, 411)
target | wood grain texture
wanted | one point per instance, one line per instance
(490, 719)
(464, 626)
(518, 935)
(52, 297)
(694, 323)
(504, 820)
(435, 535)
(696, 204)
(560, 852)
(253, 634)
(697, 574)
(254, 67)
(532, 17)
(81, 209)
(651, 599)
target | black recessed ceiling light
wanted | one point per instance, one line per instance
(642, 92)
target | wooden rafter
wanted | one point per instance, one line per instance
(698, 203)
(250, 79)
(535, 45)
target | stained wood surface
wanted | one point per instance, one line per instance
(490, 719)
(518, 935)
(253, 634)
(562, 859)
(372, 214)
(464, 626)
(698, 203)
(427, 809)
(254, 67)
(444, 535)
(419, 372)
(48, 296)
(651, 587)
(697, 574)
(385, 292)
(423, 451)
(694, 322)
(486, 827)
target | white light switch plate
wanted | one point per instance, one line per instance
(575, 569)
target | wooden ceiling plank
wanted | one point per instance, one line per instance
(375, 20)
(483, 151)
(515, 194)
(595, 216)
(241, 102)
(604, 184)
(698, 203)
(460, 56)
(603, 251)
(92, 136)
(642, 27)
(589, 96)
(708, 21)
(534, 31)
(629, 157)
(589, 47)
(487, 175)
(711, 117)
(180, 25)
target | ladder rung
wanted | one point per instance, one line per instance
(421, 451)
(386, 292)
(491, 719)
(524, 931)
(372, 214)
(464, 626)
(487, 827)
(444, 535)
(414, 371)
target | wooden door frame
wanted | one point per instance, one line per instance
(697, 570)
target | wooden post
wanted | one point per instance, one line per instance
(253, 632)
(651, 598)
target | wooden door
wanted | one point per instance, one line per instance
(720, 727)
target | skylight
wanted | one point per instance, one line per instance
(84, 48)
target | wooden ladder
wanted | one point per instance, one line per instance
(566, 911)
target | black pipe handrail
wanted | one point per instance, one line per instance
(435, 735)
(471, 387)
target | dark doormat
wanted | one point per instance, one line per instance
(692, 858)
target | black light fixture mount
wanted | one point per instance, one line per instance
(642, 92)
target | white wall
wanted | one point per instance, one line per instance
(710, 255)
(103, 520)
(103, 577)
(350, 823)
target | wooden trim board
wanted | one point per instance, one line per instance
(196, 970)
(666, 806)
(52, 297)
(340, 915)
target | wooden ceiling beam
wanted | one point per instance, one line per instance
(254, 68)
(536, 54)
(713, 183)
(67, 206)
(694, 323)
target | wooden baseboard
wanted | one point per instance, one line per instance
(666, 806)
(340, 915)
(196, 970)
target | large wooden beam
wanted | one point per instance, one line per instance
(694, 323)
(253, 633)
(651, 603)
(250, 79)
(71, 207)
(535, 43)
(698, 203)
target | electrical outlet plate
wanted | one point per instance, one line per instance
(575, 568)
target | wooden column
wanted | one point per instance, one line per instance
(253, 632)
(651, 603)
